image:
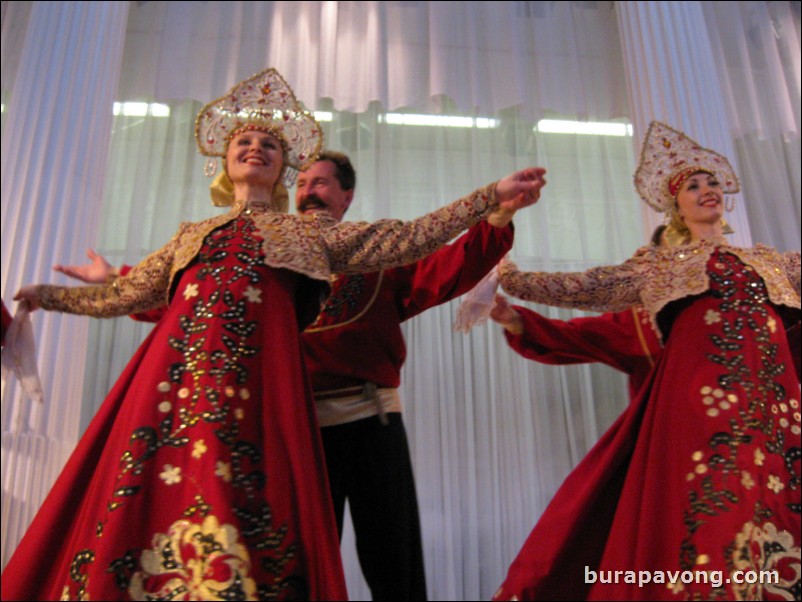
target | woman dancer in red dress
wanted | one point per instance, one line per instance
(698, 482)
(202, 475)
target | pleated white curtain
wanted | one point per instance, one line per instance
(492, 435)
(55, 143)
(758, 50)
(495, 55)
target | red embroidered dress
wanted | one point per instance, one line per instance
(202, 476)
(702, 472)
(199, 480)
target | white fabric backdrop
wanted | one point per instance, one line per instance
(492, 435)
(54, 159)
(759, 49)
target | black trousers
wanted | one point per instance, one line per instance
(369, 465)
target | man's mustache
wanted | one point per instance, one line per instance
(311, 200)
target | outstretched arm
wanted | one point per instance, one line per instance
(143, 288)
(608, 288)
(518, 190)
(367, 247)
(620, 339)
(98, 271)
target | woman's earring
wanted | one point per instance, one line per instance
(729, 204)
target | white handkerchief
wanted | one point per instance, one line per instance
(19, 354)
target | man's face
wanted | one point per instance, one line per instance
(319, 190)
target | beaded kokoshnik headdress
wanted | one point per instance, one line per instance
(668, 158)
(263, 102)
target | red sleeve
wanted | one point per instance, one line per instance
(154, 315)
(451, 271)
(6, 323)
(616, 339)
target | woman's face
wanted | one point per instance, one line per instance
(255, 158)
(700, 200)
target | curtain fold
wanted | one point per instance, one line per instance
(759, 53)
(54, 148)
(559, 56)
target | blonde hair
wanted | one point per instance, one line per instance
(676, 229)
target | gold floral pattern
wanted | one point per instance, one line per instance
(199, 448)
(765, 548)
(746, 480)
(739, 296)
(775, 483)
(254, 295)
(195, 562)
(171, 475)
(223, 470)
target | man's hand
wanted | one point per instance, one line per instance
(520, 189)
(507, 316)
(99, 271)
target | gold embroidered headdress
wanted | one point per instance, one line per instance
(263, 102)
(668, 158)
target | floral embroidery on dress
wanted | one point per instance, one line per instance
(741, 312)
(171, 475)
(223, 470)
(195, 562)
(205, 387)
(775, 483)
(199, 448)
(765, 548)
(254, 295)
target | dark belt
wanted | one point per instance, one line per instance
(336, 393)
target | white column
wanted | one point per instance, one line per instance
(55, 146)
(672, 77)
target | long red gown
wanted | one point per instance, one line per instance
(202, 475)
(700, 476)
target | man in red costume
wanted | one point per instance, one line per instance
(354, 352)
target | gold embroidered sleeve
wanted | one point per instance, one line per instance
(608, 288)
(368, 247)
(141, 289)
(792, 267)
